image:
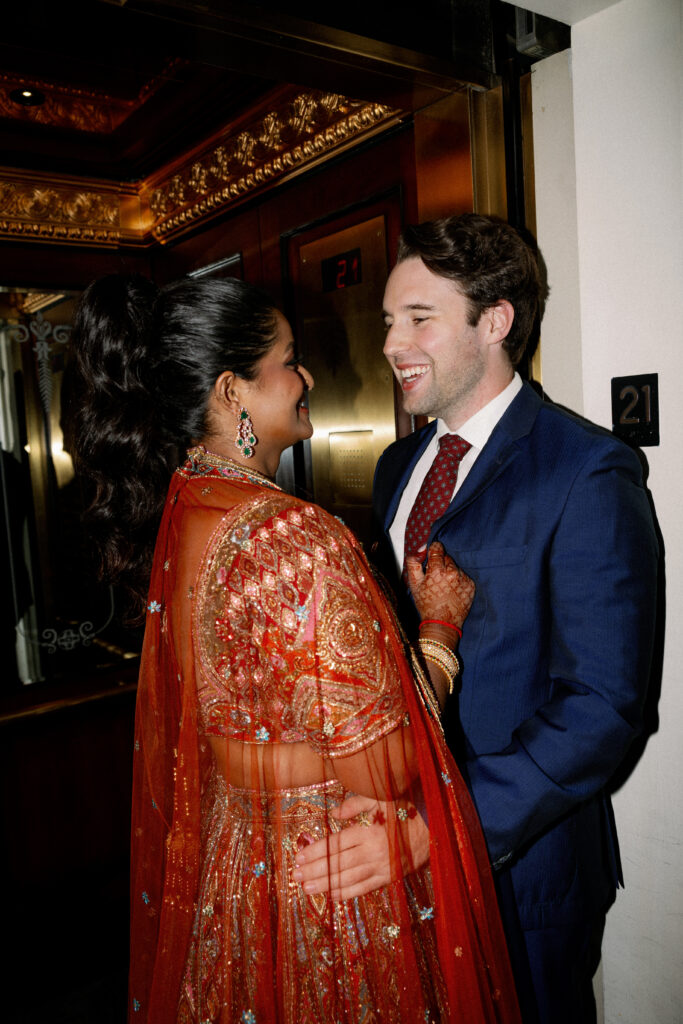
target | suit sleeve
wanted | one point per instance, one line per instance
(601, 580)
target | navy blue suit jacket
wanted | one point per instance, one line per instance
(554, 526)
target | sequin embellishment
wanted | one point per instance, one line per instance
(280, 605)
(254, 839)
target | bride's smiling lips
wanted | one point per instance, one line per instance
(302, 404)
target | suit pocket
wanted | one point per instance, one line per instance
(489, 558)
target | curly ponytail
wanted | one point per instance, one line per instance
(142, 365)
(115, 442)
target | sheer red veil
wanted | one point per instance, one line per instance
(274, 682)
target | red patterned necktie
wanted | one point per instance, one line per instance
(436, 492)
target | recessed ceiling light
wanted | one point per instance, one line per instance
(27, 97)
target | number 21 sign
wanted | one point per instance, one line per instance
(635, 409)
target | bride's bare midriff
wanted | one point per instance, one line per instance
(380, 771)
(269, 765)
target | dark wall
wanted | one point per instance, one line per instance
(65, 779)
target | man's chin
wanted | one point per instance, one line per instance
(414, 407)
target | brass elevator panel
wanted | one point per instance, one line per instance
(342, 278)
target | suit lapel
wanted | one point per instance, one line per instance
(397, 485)
(501, 449)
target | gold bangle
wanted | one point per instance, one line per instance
(425, 687)
(442, 656)
(448, 652)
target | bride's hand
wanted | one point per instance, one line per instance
(441, 592)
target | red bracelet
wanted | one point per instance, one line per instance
(440, 622)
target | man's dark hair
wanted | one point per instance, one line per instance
(488, 260)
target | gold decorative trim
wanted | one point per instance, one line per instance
(302, 129)
(34, 302)
(83, 110)
(293, 133)
(49, 212)
(70, 211)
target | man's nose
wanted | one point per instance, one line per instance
(392, 341)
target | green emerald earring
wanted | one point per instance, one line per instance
(246, 440)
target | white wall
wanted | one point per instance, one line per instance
(624, 281)
(568, 11)
(556, 217)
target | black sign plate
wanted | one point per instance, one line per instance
(341, 271)
(635, 409)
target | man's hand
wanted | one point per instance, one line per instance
(357, 860)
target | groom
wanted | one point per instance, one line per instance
(549, 516)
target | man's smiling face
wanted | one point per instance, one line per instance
(437, 356)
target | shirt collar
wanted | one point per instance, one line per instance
(478, 428)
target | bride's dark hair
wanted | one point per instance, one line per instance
(142, 365)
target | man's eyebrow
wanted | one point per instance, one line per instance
(423, 307)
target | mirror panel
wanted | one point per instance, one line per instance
(62, 622)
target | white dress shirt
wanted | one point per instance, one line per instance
(476, 430)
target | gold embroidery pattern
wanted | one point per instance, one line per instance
(286, 634)
(336, 960)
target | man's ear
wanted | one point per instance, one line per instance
(499, 318)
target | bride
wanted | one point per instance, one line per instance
(274, 685)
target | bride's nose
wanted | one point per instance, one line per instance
(309, 383)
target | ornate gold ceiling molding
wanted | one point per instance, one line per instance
(298, 130)
(83, 110)
(295, 133)
(65, 210)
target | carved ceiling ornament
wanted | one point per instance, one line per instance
(296, 131)
(83, 110)
(58, 212)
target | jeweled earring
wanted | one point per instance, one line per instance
(246, 439)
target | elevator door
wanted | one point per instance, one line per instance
(341, 276)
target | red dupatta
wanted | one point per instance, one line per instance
(265, 628)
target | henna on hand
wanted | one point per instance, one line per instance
(442, 591)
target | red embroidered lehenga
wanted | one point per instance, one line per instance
(274, 682)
